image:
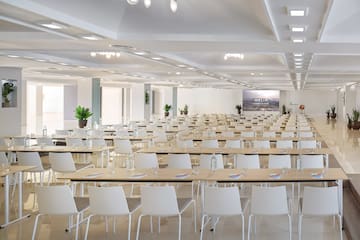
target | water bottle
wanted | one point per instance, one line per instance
(44, 131)
(27, 141)
(213, 163)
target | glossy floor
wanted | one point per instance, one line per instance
(344, 143)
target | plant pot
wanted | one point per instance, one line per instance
(82, 123)
(186, 113)
(333, 115)
(356, 125)
(349, 125)
(166, 114)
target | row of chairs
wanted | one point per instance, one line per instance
(272, 134)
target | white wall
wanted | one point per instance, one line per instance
(13, 120)
(137, 102)
(209, 100)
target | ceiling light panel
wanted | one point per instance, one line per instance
(297, 28)
(298, 12)
(53, 25)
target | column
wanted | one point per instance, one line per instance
(96, 100)
(147, 101)
(174, 100)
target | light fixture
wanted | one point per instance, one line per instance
(298, 85)
(173, 5)
(298, 54)
(64, 64)
(298, 59)
(261, 74)
(297, 28)
(298, 63)
(91, 37)
(298, 12)
(140, 53)
(82, 67)
(107, 55)
(156, 58)
(298, 66)
(53, 25)
(12, 56)
(252, 74)
(147, 3)
(181, 65)
(40, 60)
(191, 68)
(233, 55)
(132, 2)
(178, 73)
(298, 40)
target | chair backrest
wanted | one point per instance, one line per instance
(185, 143)
(142, 133)
(257, 128)
(62, 162)
(108, 201)
(284, 144)
(269, 134)
(160, 136)
(210, 143)
(96, 142)
(279, 161)
(3, 158)
(269, 200)
(55, 200)
(30, 159)
(310, 161)
(179, 161)
(145, 160)
(222, 201)
(122, 133)
(122, 146)
(261, 144)
(240, 127)
(247, 161)
(45, 141)
(320, 201)
(18, 141)
(159, 201)
(290, 128)
(247, 134)
(306, 134)
(205, 161)
(287, 134)
(307, 144)
(227, 133)
(209, 133)
(2, 142)
(305, 128)
(74, 142)
(80, 132)
(62, 132)
(233, 144)
(96, 133)
(275, 128)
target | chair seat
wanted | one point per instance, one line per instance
(80, 166)
(183, 203)
(82, 203)
(133, 203)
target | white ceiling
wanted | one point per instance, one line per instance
(197, 36)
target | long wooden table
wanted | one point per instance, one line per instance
(225, 138)
(17, 171)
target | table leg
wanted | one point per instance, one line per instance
(6, 199)
(340, 195)
(326, 160)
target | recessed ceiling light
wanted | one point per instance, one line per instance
(140, 53)
(252, 74)
(132, 2)
(28, 57)
(40, 60)
(156, 58)
(147, 3)
(298, 63)
(191, 68)
(298, 59)
(181, 65)
(298, 54)
(297, 12)
(261, 74)
(12, 56)
(53, 25)
(298, 66)
(298, 40)
(64, 64)
(297, 28)
(82, 67)
(178, 73)
(91, 37)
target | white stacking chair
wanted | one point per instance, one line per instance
(182, 161)
(59, 200)
(247, 161)
(270, 134)
(306, 144)
(227, 133)
(290, 128)
(247, 134)
(122, 146)
(185, 143)
(63, 162)
(240, 127)
(310, 161)
(305, 128)
(257, 128)
(269, 201)
(96, 133)
(285, 134)
(279, 161)
(3, 158)
(233, 144)
(212, 143)
(160, 136)
(205, 161)
(74, 142)
(111, 202)
(221, 202)
(275, 128)
(80, 132)
(320, 202)
(62, 132)
(264, 144)
(163, 202)
(33, 159)
(209, 133)
(306, 134)
(284, 144)
(122, 133)
(141, 133)
(96, 142)
(146, 160)
(45, 141)
(18, 141)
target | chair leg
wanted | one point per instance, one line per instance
(179, 226)
(114, 224)
(158, 224)
(35, 226)
(87, 227)
(106, 224)
(340, 227)
(138, 227)
(202, 227)
(77, 227)
(194, 211)
(249, 227)
(300, 225)
(242, 227)
(129, 228)
(290, 226)
(151, 224)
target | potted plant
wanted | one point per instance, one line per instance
(333, 113)
(355, 119)
(7, 88)
(349, 122)
(82, 114)
(181, 111)
(186, 109)
(238, 108)
(283, 109)
(167, 108)
(328, 114)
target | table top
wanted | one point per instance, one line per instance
(14, 169)
(200, 150)
(223, 175)
(271, 139)
(54, 149)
